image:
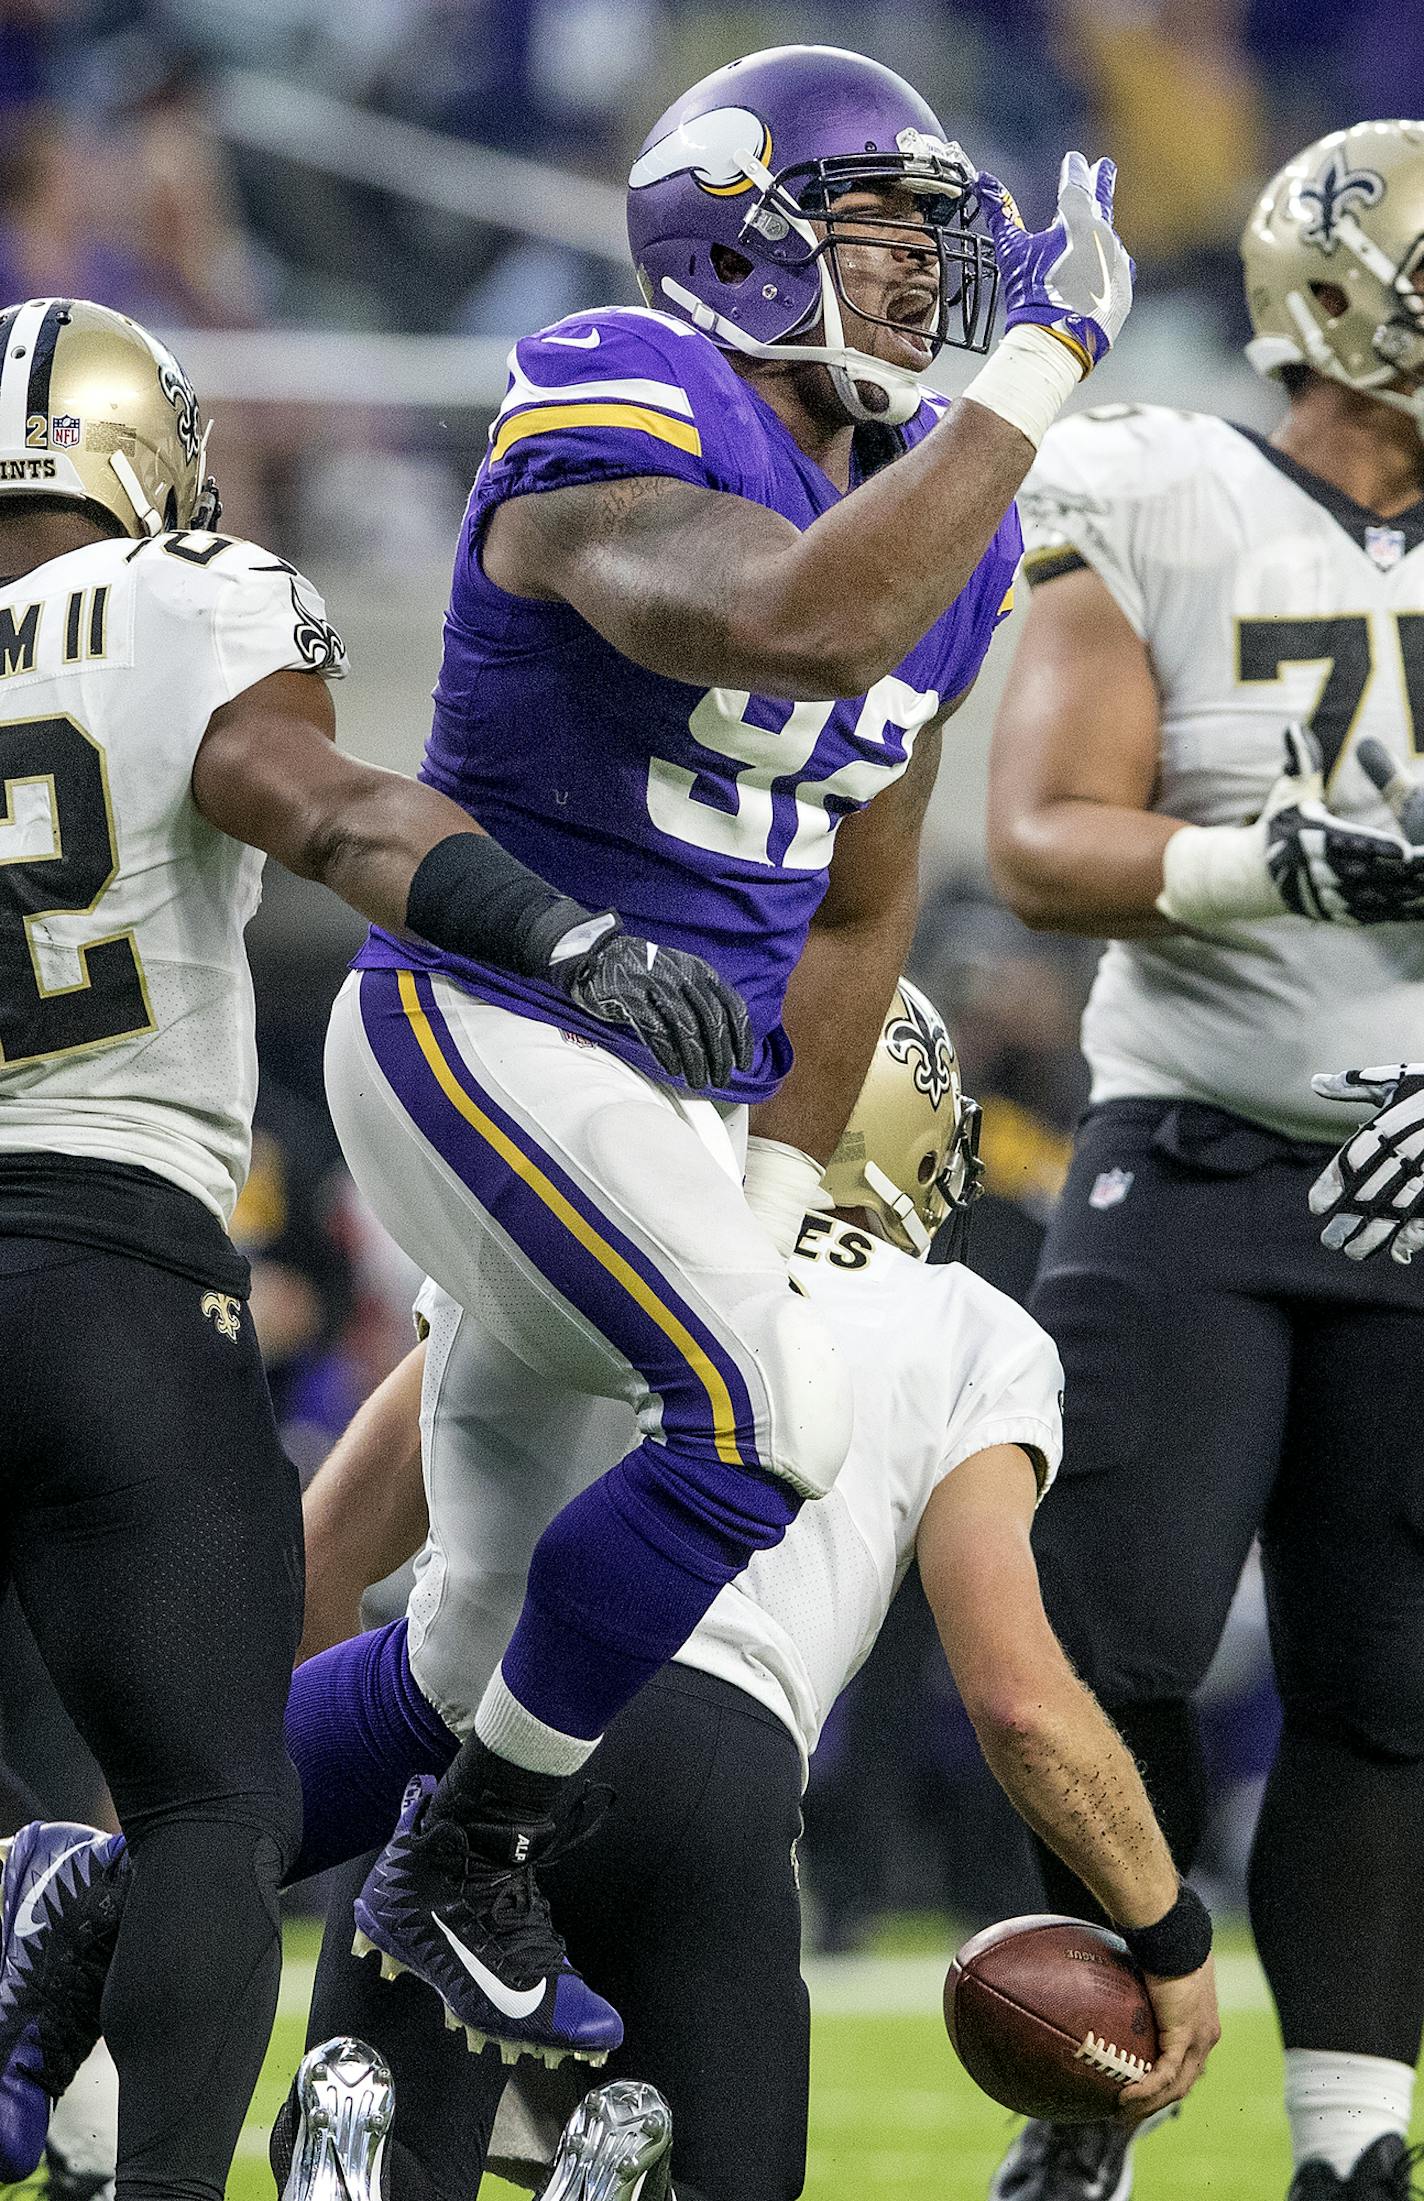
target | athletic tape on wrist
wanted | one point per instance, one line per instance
(1212, 874)
(782, 1184)
(1027, 380)
(1179, 1943)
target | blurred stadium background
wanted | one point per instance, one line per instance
(340, 213)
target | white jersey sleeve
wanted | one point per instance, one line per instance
(1093, 498)
(235, 613)
(126, 1023)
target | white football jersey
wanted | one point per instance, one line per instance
(1263, 596)
(942, 1366)
(126, 1018)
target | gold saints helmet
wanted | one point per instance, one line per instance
(910, 1152)
(93, 407)
(1332, 253)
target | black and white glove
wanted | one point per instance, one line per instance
(1372, 1191)
(691, 1021)
(1296, 857)
(1340, 874)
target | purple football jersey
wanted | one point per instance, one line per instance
(705, 817)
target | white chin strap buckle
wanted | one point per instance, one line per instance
(901, 1206)
(148, 519)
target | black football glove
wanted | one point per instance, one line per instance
(1372, 1191)
(691, 1021)
(1336, 873)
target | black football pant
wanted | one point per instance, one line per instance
(152, 1526)
(1226, 1376)
(682, 1908)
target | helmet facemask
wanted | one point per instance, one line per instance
(793, 223)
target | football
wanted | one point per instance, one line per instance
(1050, 2016)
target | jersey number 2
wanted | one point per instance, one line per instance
(57, 857)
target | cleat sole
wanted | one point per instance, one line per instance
(476, 2042)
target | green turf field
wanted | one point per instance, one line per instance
(893, 2116)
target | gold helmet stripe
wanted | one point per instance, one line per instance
(15, 372)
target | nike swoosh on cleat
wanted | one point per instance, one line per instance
(515, 2002)
(27, 1917)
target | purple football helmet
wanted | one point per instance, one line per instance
(723, 197)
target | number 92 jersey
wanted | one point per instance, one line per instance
(126, 1022)
(1262, 596)
(706, 817)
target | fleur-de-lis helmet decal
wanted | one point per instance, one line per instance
(1337, 191)
(909, 1155)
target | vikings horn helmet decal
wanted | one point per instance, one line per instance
(93, 407)
(1332, 254)
(733, 223)
(910, 1150)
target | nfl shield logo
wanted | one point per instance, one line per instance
(1385, 545)
(64, 431)
(1110, 1188)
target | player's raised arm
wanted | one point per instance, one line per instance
(708, 587)
(268, 772)
(1056, 1755)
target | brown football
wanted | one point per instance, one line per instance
(1050, 2016)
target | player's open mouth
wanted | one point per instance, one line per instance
(912, 310)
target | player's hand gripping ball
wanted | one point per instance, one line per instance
(1051, 2017)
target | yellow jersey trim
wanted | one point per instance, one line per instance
(724, 1420)
(544, 419)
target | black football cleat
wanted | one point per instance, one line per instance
(343, 2102)
(1071, 2162)
(62, 1902)
(458, 1906)
(617, 2146)
(1385, 2172)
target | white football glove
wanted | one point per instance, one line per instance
(1297, 857)
(1372, 1191)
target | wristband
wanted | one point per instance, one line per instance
(1179, 1943)
(1217, 874)
(1027, 379)
(781, 1185)
(471, 897)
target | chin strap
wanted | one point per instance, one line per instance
(148, 519)
(901, 1206)
(902, 390)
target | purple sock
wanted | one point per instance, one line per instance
(357, 1729)
(621, 1577)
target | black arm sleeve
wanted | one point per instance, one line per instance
(472, 897)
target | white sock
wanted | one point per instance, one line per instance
(1340, 2105)
(504, 1727)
